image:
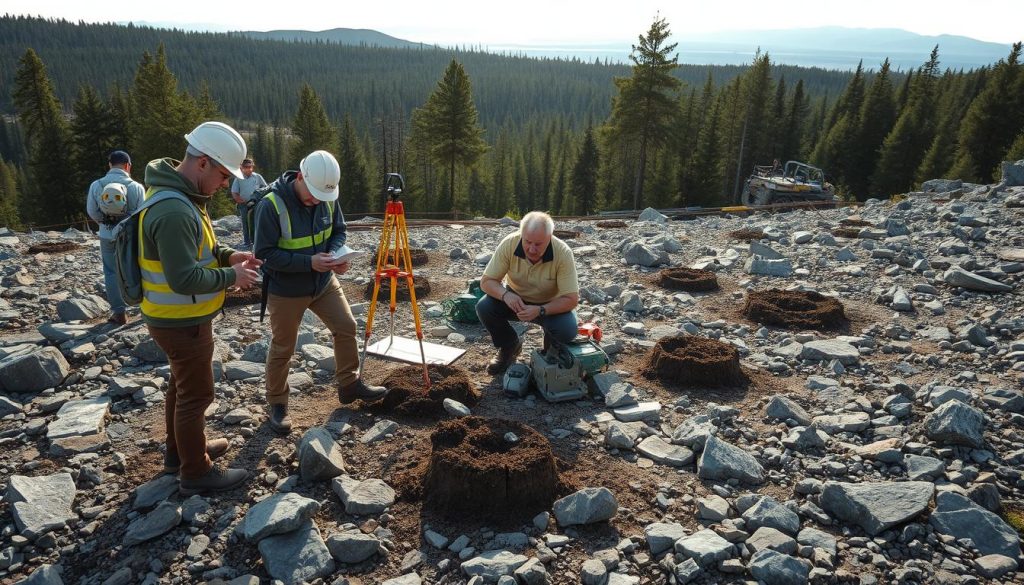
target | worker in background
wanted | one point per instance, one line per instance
(185, 272)
(111, 198)
(531, 277)
(299, 225)
(242, 192)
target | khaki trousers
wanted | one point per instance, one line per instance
(190, 390)
(286, 316)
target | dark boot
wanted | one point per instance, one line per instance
(214, 449)
(505, 358)
(360, 390)
(214, 480)
(279, 420)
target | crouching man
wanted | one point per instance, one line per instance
(298, 226)
(531, 277)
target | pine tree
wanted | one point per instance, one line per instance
(48, 141)
(705, 174)
(835, 152)
(160, 117)
(8, 196)
(754, 136)
(1016, 151)
(956, 93)
(993, 121)
(354, 186)
(584, 176)
(93, 132)
(796, 122)
(119, 112)
(452, 127)
(877, 117)
(311, 128)
(644, 111)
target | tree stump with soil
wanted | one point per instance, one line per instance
(854, 222)
(746, 234)
(237, 297)
(688, 279)
(851, 233)
(418, 256)
(610, 223)
(689, 360)
(421, 285)
(52, 247)
(794, 309)
(406, 394)
(566, 234)
(475, 468)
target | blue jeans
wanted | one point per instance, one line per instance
(495, 316)
(244, 216)
(110, 277)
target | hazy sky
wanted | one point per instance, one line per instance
(551, 21)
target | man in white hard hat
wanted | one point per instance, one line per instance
(185, 272)
(111, 198)
(298, 226)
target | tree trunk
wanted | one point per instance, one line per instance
(638, 184)
(451, 184)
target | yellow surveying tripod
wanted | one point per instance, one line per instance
(394, 262)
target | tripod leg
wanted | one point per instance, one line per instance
(407, 260)
(371, 312)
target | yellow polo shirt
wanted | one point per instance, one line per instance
(553, 276)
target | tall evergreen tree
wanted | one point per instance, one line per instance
(354, 185)
(993, 121)
(451, 119)
(311, 128)
(835, 151)
(584, 176)
(160, 116)
(705, 173)
(795, 124)
(8, 195)
(644, 111)
(49, 200)
(93, 131)
(877, 117)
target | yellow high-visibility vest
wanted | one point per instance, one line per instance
(158, 300)
(286, 241)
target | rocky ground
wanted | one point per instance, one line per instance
(888, 451)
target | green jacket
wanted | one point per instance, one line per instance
(169, 234)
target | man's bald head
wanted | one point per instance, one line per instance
(535, 231)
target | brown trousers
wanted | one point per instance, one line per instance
(286, 316)
(190, 390)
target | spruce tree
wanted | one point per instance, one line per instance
(311, 128)
(451, 122)
(8, 195)
(48, 199)
(584, 176)
(1016, 151)
(877, 117)
(644, 111)
(93, 131)
(160, 117)
(354, 186)
(705, 174)
(795, 123)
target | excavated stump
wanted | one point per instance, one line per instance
(52, 247)
(688, 279)
(611, 223)
(421, 284)
(236, 297)
(474, 468)
(688, 360)
(795, 309)
(566, 234)
(746, 235)
(406, 394)
(845, 232)
(854, 222)
(417, 255)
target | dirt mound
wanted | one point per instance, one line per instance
(407, 396)
(746, 234)
(236, 297)
(418, 256)
(688, 279)
(611, 223)
(795, 309)
(854, 222)
(688, 360)
(846, 232)
(421, 284)
(474, 469)
(566, 234)
(52, 247)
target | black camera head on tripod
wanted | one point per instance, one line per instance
(394, 184)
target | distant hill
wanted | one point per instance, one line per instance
(829, 47)
(341, 36)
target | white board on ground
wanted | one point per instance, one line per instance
(408, 350)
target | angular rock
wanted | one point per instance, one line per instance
(769, 512)
(876, 506)
(532, 572)
(79, 418)
(153, 525)
(652, 215)
(830, 349)
(705, 547)
(148, 351)
(659, 451)
(370, 496)
(995, 566)
(694, 432)
(319, 455)
(379, 431)
(493, 564)
(638, 253)
(955, 423)
(770, 538)
(154, 491)
(621, 435)
(662, 536)
(850, 423)
(278, 514)
(297, 556)
(82, 309)
(784, 408)
(33, 372)
(957, 276)
(721, 460)
(243, 370)
(768, 267)
(774, 568)
(959, 517)
(586, 506)
(352, 547)
(41, 504)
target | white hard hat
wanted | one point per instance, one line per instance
(322, 174)
(221, 143)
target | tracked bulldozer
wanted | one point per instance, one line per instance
(796, 182)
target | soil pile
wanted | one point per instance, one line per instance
(566, 234)
(611, 223)
(406, 394)
(53, 247)
(236, 297)
(418, 256)
(692, 361)
(795, 309)
(746, 234)
(421, 285)
(688, 279)
(845, 232)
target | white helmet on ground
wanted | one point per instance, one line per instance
(220, 142)
(321, 173)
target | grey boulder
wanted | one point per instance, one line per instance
(319, 455)
(876, 506)
(959, 517)
(33, 372)
(297, 556)
(956, 423)
(41, 504)
(774, 568)
(586, 506)
(278, 514)
(721, 460)
(370, 496)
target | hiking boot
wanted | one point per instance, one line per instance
(214, 480)
(360, 390)
(214, 449)
(279, 420)
(505, 358)
(118, 318)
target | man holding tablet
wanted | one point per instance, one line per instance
(299, 229)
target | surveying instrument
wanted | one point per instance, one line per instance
(394, 262)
